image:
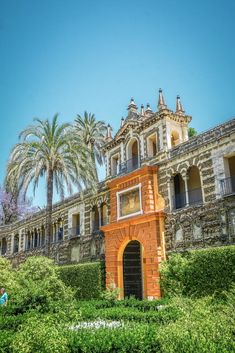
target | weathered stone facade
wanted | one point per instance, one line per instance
(195, 180)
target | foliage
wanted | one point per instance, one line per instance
(40, 285)
(172, 274)
(43, 317)
(199, 273)
(93, 133)
(85, 279)
(192, 132)
(130, 338)
(12, 208)
(202, 329)
(111, 292)
(42, 334)
(7, 277)
(47, 148)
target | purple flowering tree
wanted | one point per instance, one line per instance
(12, 209)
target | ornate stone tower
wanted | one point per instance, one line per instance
(134, 239)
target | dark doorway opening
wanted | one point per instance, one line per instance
(132, 270)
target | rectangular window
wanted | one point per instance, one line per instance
(129, 202)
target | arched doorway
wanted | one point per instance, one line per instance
(132, 270)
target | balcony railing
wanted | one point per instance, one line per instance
(74, 232)
(181, 200)
(127, 166)
(227, 186)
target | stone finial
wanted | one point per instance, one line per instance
(122, 121)
(142, 109)
(132, 106)
(109, 133)
(179, 108)
(161, 103)
(148, 109)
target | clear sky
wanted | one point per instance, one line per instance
(68, 56)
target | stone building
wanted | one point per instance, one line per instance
(163, 192)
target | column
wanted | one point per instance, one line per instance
(185, 178)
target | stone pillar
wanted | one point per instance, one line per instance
(100, 215)
(141, 151)
(185, 178)
(122, 153)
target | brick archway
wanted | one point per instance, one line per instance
(133, 270)
(146, 227)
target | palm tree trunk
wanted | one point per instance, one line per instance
(93, 160)
(49, 209)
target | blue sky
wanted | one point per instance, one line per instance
(69, 56)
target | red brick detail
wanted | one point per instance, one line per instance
(146, 228)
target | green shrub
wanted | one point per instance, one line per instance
(6, 338)
(44, 334)
(200, 272)
(85, 279)
(39, 286)
(7, 276)
(134, 338)
(201, 329)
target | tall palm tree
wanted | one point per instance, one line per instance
(47, 149)
(93, 133)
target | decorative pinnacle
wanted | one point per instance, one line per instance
(132, 106)
(122, 121)
(161, 103)
(109, 133)
(179, 108)
(142, 109)
(148, 109)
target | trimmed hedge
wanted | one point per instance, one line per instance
(86, 279)
(199, 272)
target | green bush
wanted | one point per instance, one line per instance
(199, 273)
(6, 339)
(86, 279)
(7, 275)
(201, 329)
(44, 334)
(134, 338)
(39, 286)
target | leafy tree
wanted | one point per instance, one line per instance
(47, 149)
(93, 133)
(12, 208)
(192, 132)
(41, 287)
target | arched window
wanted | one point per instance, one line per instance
(16, 244)
(42, 236)
(95, 218)
(60, 234)
(133, 158)
(27, 240)
(35, 242)
(194, 186)
(179, 197)
(175, 140)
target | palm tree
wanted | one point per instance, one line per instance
(93, 133)
(47, 149)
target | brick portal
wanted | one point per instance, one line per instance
(147, 228)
